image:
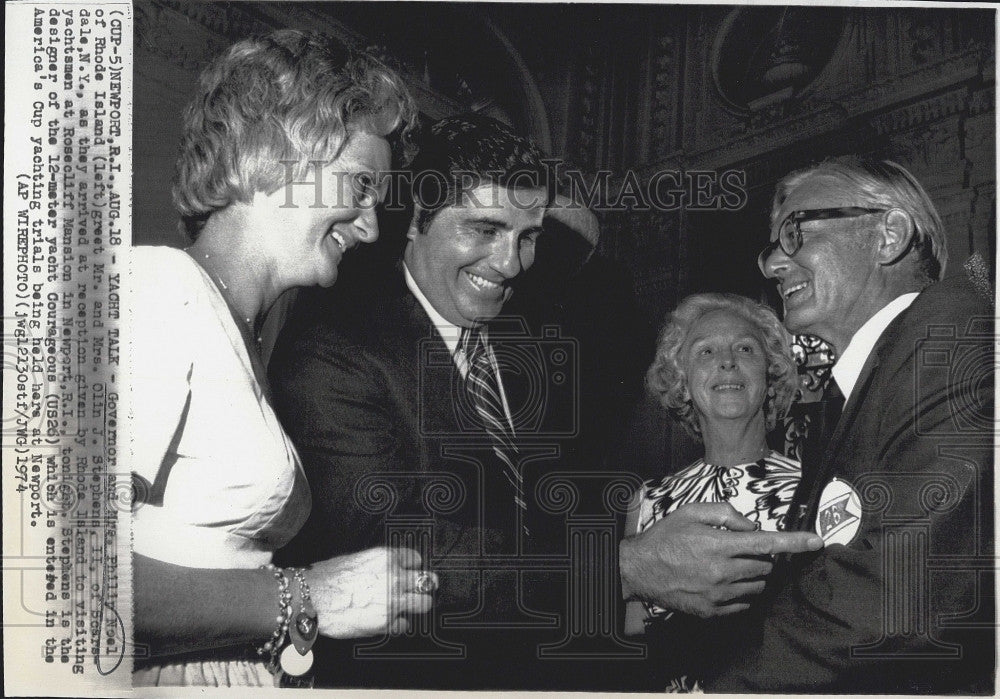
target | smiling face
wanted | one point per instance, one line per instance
(331, 211)
(470, 255)
(833, 283)
(725, 367)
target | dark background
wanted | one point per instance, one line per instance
(758, 90)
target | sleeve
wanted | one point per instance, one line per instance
(353, 435)
(160, 364)
(335, 407)
(635, 611)
(906, 607)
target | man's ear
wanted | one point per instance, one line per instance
(413, 230)
(896, 234)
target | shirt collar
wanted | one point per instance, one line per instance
(449, 332)
(848, 367)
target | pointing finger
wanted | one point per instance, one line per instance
(771, 543)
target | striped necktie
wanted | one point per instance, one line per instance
(482, 384)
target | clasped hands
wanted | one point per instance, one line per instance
(704, 559)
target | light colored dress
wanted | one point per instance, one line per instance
(220, 482)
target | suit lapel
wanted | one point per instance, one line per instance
(433, 378)
(852, 409)
(435, 375)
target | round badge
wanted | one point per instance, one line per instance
(839, 515)
(295, 664)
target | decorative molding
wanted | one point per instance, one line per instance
(921, 112)
(955, 205)
(877, 67)
(925, 80)
(982, 101)
(226, 20)
(824, 120)
(432, 103)
(831, 116)
(979, 145)
(982, 224)
(156, 33)
(799, 49)
(663, 112)
(588, 110)
(932, 151)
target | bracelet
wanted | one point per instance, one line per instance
(297, 658)
(272, 645)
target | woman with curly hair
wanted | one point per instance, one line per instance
(723, 369)
(276, 182)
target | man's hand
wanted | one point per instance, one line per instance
(687, 563)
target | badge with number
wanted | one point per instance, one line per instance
(839, 516)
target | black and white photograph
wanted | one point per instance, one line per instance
(560, 347)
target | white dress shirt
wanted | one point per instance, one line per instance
(451, 335)
(849, 365)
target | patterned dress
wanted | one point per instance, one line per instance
(761, 491)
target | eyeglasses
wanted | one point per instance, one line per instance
(790, 233)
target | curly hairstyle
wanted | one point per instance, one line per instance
(666, 377)
(288, 96)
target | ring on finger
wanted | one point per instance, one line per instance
(426, 582)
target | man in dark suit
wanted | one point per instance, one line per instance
(424, 419)
(900, 599)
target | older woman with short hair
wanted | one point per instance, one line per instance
(723, 369)
(220, 486)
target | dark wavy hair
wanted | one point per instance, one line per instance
(666, 377)
(288, 96)
(458, 154)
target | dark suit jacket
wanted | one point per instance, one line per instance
(372, 403)
(907, 606)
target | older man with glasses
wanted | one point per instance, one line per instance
(900, 599)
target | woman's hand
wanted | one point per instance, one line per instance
(368, 593)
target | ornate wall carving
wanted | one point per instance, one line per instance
(913, 84)
(585, 132)
(665, 74)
